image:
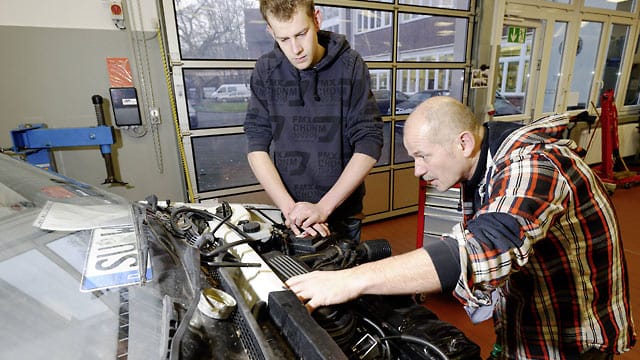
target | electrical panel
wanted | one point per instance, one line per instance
(126, 111)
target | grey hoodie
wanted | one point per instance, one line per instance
(314, 120)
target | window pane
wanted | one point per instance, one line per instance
(584, 66)
(633, 87)
(213, 29)
(217, 97)
(370, 32)
(400, 153)
(381, 87)
(444, 4)
(617, 44)
(421, 84)
(385, 157)
(555, 65)
(425, 38)
(382, 1)
(514, 71)
(221, 162)
(628, 5)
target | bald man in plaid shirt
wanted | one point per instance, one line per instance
(539, 249)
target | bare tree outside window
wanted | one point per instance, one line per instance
(221, 29)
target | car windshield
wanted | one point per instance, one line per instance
(45, 314)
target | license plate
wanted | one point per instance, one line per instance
(113, 259)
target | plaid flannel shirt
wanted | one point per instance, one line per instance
(545, 236)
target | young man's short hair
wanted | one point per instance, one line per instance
(285, 9)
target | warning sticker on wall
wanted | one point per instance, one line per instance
(119, 72)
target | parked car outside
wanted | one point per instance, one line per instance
(407, 106)
(231, 93)
(383, 99)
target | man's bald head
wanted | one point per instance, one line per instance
(441, 118)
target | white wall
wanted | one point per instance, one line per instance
(74, 14)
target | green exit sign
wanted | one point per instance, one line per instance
(517, 34)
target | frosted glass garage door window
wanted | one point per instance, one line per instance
(426, 38)
(420, 84)
(221, 162)
(217, 97)
(385, 156)
(626, 6)
(443, 4)
(213, 29)
(369, 32)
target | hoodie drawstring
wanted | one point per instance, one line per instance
(316, 97)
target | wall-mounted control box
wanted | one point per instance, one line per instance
(126, 111)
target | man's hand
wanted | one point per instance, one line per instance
(322, 288)
(409, 273)
(311, 218)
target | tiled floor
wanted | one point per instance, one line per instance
(402, 232)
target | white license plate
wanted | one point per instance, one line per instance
(113, 259)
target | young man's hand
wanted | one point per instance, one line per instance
(307, 219)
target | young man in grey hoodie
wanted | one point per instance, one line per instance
(312, 108)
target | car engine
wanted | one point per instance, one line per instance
(244, 310)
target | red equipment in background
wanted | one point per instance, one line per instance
(613, 169)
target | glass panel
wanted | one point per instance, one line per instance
(213, 29)
(421, 84)
(584, 67)
(633, 87)
(385, 157)
(370, 32)
(217, 97)
(514, 71)
(426, 38)
(444, 4)
(226, 30)
(400, 154)
(613, 63)
(555, 65)
(626, 5)
(381, 87)
(221, 162)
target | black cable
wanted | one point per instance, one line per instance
(225, 247)
(417, 340)
(261, 212)
(205, 215)
(386, 349)
(233, 227)
(224, 220)
(231, 264)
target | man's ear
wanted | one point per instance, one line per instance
(467, 143)
(317, 18)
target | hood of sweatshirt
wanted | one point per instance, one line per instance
(334, 44)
